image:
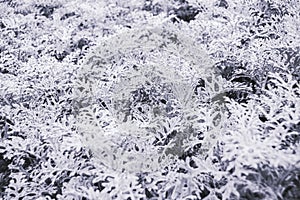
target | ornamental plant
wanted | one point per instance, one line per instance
(150, 99)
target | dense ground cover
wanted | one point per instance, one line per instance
(149, 99)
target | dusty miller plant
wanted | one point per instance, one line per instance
(72, 72)
(138, 89)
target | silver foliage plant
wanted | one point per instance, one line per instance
(137, 107)
(149, 99)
